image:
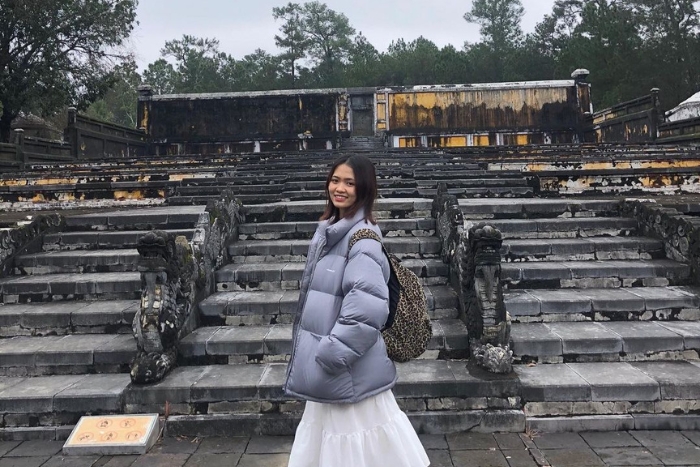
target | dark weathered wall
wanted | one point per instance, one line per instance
(95, 139)
(682, 131)
(241, 118)
(484, 110)
(634, 121)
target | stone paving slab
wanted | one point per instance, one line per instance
(466, 449)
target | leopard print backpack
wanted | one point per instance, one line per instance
(408, 330)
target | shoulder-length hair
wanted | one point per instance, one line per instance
(365, 188)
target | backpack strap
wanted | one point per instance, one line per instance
(361, 235)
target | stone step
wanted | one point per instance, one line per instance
(286, 276)
(609, 388)
(217, 185)
(607, 341)
(622, 304)
(249, 397)
(614, 423)
(262, 308)
(246, 388)
(71, 354)
(561, 227)
(56, 287)
(77, 261)
(439, 395)
(93, 240)
(164, 218)
(292, 230)
(594, 274)
(60, 399)
(69, 317)
(580, 249)
(534, 208)
(254, 251)
(244, 344)
(304, 211)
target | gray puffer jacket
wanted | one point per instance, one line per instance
(338, 354)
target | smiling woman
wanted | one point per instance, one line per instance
(339, 361)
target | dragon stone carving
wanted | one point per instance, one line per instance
(165, 304)
(175, 276)
(486, 316)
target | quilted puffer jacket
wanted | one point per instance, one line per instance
(338, 354)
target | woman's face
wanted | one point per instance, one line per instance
(341, 189)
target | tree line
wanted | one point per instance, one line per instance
(630, 46)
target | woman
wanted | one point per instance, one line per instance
(339, 363)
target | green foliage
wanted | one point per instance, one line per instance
(59, 52)
(119, 103)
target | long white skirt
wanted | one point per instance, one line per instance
(371, 433)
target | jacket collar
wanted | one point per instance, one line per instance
(335, 232)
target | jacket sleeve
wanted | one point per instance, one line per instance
(364, 310)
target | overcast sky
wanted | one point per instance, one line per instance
(245, 25)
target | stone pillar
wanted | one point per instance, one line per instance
(656, 114)
(144, 106)
(18, 141)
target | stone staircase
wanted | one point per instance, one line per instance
(363, 143)
(65, 324)
(237, 359)
(606, 328)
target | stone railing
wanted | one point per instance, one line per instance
(175, 277)
(680, 233)
(25, 238)
(474, 258)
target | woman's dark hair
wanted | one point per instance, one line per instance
(365, 188)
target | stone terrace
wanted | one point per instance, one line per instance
(606, 328)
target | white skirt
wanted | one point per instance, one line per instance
(371, 433)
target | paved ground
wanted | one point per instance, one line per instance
(635, 448)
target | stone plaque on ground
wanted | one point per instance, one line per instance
(111, 435)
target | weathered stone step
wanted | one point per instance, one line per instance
(611, 341)
(252, 389)
(69, 317)
(243, 344)
(92, 240)
(77, 261)
(286, 276)
(172, 217)
(71, 354)
(579, 249)
(594, 274)
(403, 208)
(613, 388)
(253, 251)
(562, 227)
(633, 303)
(292, 230)
(261, 308)
(533, 208)
(60, 399)
(53, 287)
(607, 423)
